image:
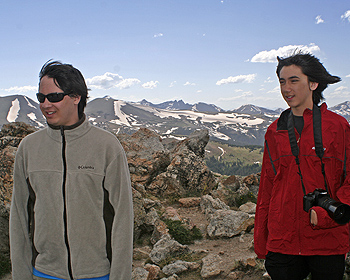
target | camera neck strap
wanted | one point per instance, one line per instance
(317, 127)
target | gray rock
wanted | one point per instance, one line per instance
(211, 266)
(139, 273)
(178, 267)
(248, 207)
(173, 277)
(167, 247)
(228, 223)
(209, 205)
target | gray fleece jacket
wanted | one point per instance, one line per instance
(71, 213)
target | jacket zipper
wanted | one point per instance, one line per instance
(65, 203)
(300, 247)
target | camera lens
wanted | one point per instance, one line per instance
(338, 211)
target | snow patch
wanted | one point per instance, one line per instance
(222, 152)
(28, 102)
(120, 114)
(13, 112)
(223, 118)
(32, 116)
(171, 130)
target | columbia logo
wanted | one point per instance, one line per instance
(85, 167)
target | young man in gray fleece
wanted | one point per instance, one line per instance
(71, 213)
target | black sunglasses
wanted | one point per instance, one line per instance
(52, 97)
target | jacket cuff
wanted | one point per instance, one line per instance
(324, 221)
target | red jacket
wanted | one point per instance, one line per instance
(281, 224)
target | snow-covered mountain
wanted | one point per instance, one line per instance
(228, 127)
(180, 105)
(342, 109)
(243, 126)
(20, 108)
(256, 110)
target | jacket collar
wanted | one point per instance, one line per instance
(71, 132)
(282, 120)
(69, 127)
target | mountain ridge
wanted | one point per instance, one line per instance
(245, 125)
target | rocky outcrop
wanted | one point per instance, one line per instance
(161, 173)
(10, 137)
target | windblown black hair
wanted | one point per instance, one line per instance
(311, 67)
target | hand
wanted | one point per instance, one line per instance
(313, 217)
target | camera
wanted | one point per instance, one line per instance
(338, 211)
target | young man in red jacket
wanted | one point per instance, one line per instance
(301, 223)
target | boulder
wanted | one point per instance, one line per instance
(228, 223)
(11, 134)
(139, 273)
(171, 214)
(209, 205)
(179, 266)
(187, 172)
(167, 247)
(248, 207)
(139, 214)
(146, 155)
(232, 183)
(188, 202)
(153, 271)
(211, 266)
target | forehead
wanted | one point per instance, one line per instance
(47, 83)
(291, 71)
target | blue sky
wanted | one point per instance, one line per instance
(214, 51)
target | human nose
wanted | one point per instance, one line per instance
(46, 103)
(285, 87)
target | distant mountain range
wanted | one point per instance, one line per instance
(173, 119)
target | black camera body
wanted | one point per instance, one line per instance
(311, 199)
(338, 211)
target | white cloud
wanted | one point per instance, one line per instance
(128, 83)
(269, 80)
(158, 35)
(347, 76)
(150, 84)
(110, 80)
(275, 90)
(23, 89)
(346, 15)
(339, 89)
(319, 20)
(172, 84)
(237, 79)
(271, 55)
(189, 84)
(339, 93)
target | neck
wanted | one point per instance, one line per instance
(299, 111)
(79, 122)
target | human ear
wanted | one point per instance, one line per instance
(76, 99)
(313, 85)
